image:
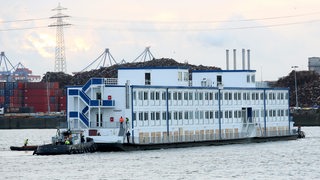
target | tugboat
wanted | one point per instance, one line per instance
(67, 142)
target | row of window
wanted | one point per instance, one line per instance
(198, 95)
(238, 115)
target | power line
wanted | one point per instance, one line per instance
(191, 22)
(23, 28)
(23, 20)
(178, 22)
(199, 29)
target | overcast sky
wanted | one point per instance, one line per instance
(280, 34)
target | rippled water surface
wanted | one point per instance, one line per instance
(297, 159)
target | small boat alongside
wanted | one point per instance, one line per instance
(68, 142)
(23, 148)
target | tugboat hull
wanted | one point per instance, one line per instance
(52, 149)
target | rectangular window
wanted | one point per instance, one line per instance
(180, 115)
(186, 76)
(147, 77)
(169, 95)
(157, 115)
(197, 115)
(140, 95)
(200, 96)
(216, 114)
(226, 114)
(134, 95)
(157, 95)
(186, 115)
(211, 115)
(134, 116)
(235, 96)
(206, 115)
(152, 95)
(140, 116)
(190, 96)
(190, 114)
(248, 78)
(146, 116)
(253, 78)
(145, 95)
(226, 96)
(196, 95)
(179, 95)
(164, 95)
(153, 117)
(175, 95)
(201, 114)
(179, 76)
(185, 95)
(175, 115)
(219, 79)
(164, 115)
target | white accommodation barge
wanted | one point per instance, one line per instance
(163, 108)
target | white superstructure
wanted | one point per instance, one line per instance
(162, 105)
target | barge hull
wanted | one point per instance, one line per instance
(106, 147)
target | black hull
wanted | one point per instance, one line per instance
(23, 148)
(51, 149)
(105, 147)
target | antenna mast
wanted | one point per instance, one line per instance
(60, 56)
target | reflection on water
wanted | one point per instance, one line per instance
(296, 159)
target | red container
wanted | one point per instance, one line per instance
(41, 92)
(44, 108)
(18, 92)
(1, 98)
(42, 85)
(20, 85)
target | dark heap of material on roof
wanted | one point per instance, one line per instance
(111, 72)
(308, 81)
(308, 85)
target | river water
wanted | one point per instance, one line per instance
(297, 159)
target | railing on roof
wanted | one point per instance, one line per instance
(110, 81)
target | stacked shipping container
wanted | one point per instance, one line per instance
(32, 97)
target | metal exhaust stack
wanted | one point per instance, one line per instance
(227, 59)
(243, 59)
(234, 59)
(248, 58)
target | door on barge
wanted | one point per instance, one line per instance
(247, 121)
(247, 115)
